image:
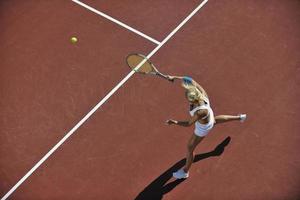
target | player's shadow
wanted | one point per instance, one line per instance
(157, 189)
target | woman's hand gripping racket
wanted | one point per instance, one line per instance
(133, 60)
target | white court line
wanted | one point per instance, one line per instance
(116, 21)
(99, 104)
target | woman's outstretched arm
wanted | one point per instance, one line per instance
(188, 80)
(173, 78)
(199, 114)
(185, 79)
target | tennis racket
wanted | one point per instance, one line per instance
(133, 60)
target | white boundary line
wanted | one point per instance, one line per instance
(99, 104)
(116, 21)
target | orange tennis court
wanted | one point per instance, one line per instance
(77, 123)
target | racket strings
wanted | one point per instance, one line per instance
(134, 60)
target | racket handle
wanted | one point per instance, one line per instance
(160, 74)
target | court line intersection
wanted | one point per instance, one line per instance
(116, 21)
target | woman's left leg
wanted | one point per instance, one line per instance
(192, 144)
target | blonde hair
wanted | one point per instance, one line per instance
(192, 92)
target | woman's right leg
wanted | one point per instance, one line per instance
(227, 118)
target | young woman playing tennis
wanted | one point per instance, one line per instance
(201, 115)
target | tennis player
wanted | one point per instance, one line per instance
(201, 115)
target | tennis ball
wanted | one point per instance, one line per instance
(74, 40)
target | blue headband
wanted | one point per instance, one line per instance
(187, 80)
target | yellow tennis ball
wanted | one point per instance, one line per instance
(74, 40)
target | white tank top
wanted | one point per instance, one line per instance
(207, 107)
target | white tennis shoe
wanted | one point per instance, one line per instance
(180, 174)
(242, 117)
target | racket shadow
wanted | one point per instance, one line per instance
(157, 188)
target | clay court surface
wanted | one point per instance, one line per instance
(246, 54)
